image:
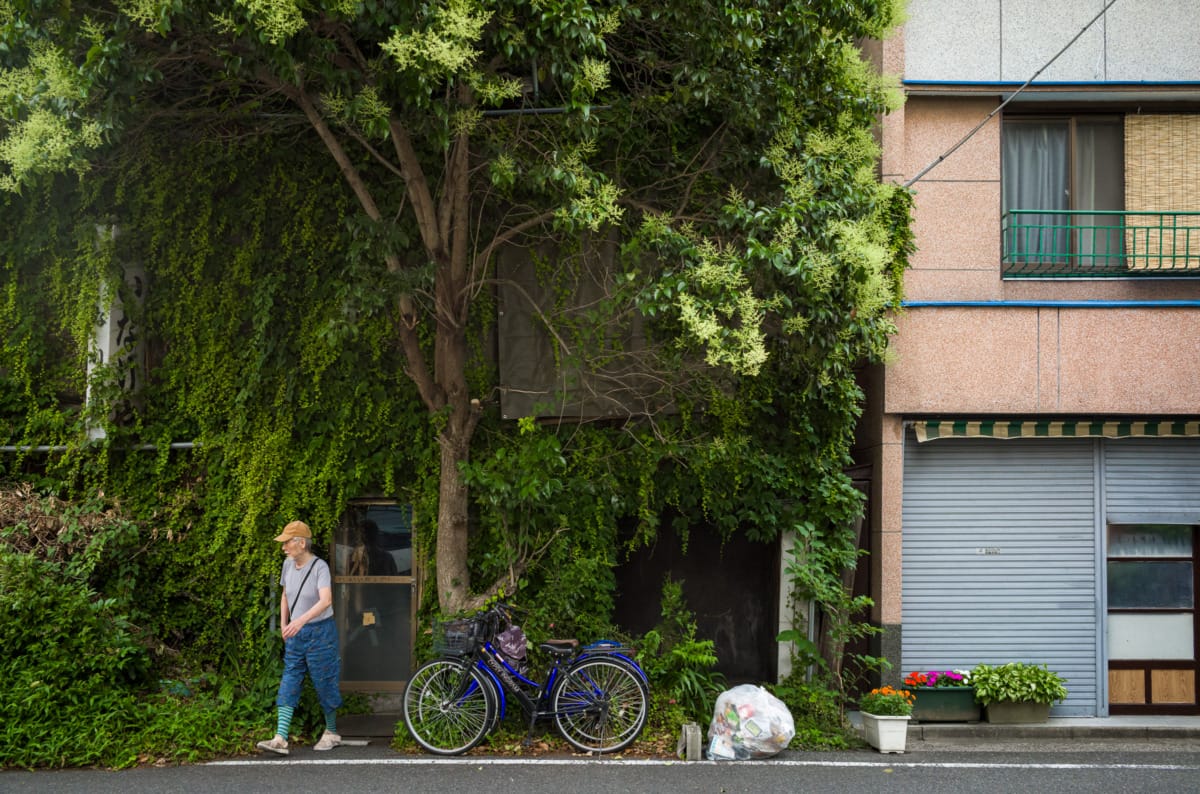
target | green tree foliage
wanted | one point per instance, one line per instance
(729, 146)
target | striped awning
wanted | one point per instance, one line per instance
(933, 429)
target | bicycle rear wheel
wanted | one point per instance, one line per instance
(624, 661)
(448, 706)
(600, 705)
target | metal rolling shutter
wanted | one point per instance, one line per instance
(999, 551)
(1152, 480)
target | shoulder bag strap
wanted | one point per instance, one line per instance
(299, 590)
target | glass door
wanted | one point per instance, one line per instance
(1152, 619)
(373, 595)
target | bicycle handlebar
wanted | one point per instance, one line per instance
(506, 611)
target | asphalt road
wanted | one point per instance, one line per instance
(1167, 766)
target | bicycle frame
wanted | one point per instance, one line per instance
(509, 680)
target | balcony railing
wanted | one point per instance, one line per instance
(1100, 244)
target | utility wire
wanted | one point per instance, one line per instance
(1011, 97)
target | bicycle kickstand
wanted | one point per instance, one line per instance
(528, 740)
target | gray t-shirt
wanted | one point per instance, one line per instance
(290, 581)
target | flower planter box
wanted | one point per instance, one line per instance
(945, 704)
(885, 734)
(1008, 712)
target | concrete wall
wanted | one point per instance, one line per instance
(1009, 40)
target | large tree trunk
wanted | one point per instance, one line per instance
(452, 307)
(444, 225)
(453, 575)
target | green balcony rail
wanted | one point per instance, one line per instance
(1100, 244)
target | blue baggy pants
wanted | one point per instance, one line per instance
(314, 650)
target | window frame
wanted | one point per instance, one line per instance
(1071, 260)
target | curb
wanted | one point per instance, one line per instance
(985, 731)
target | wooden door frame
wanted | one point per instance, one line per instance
(1150, 666)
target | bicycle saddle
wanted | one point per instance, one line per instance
(559, 647)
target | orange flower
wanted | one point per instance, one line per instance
(887, 690)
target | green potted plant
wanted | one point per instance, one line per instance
(885, 715)
(942, 696)
(1017, 691)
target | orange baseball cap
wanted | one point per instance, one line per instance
(296, 529)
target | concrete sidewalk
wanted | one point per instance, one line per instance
(1123, 727)
(1058, 734)
(377, 725)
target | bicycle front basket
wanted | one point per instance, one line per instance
(456, 637)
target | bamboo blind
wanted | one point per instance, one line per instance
(1162, 174)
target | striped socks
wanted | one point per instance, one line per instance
(285, 721)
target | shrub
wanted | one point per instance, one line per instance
(70, 666)
(817, 712)
(681, 668)
(76, 687)
(1018, 682)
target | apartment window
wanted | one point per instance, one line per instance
(1062, 188)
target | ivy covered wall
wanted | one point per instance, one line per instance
(281, 383)
(284, 395)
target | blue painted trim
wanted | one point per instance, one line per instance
(1049, 304)
(1073, 83)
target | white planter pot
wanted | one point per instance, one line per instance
(886, 734)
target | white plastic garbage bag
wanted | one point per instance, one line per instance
(749, 722)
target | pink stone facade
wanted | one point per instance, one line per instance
(1023, 355)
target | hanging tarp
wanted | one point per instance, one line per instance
(933, 429)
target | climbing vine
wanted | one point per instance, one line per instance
(317, 320)
(275, 407)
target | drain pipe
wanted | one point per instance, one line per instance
(64, 447)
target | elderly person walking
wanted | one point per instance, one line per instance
(309, 636)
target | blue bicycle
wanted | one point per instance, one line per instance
(597, 694)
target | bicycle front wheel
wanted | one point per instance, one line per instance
(600, 705)
(448, 706)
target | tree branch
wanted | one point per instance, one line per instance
(507, 236)
(417, 369)
(417, 187)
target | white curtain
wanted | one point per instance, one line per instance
(1098, 186)
(1035, 177)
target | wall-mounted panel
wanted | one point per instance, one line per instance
(1123, 361)
(1033, 31)
(952, 40)
(964, 360)
(1153, 42)
(988, 41)
(934, 124)
(957, 227)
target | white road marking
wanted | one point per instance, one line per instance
(481, 762)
